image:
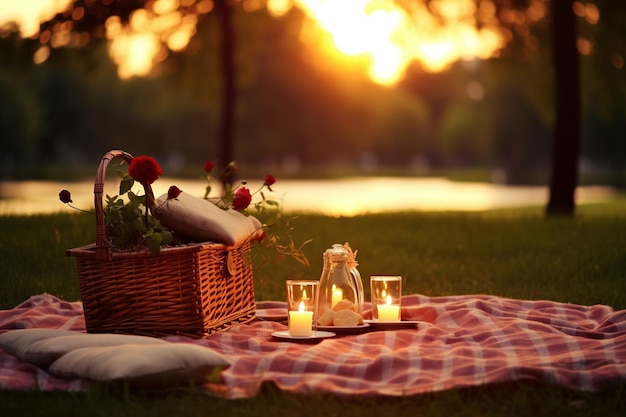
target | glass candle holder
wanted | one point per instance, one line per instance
(386, 292)
(302, 306)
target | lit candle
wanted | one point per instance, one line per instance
(337, 296)
(388, 312)
(301, 322)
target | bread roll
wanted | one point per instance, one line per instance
(346, 318)
(345, 304)
(326, 319)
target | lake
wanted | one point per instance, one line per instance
(341, 197)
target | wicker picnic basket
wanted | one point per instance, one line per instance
(194, 290)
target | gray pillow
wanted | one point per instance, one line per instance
(41, 347)
(142, 366)
(16, 342)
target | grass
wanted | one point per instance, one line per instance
(514, 253)
(507, 400)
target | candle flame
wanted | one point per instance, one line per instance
(389, 300)
(301, 307)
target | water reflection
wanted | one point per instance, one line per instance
(344, 197)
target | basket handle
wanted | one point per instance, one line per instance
(103, 246)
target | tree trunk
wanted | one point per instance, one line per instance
(566, 145)
(226, 122)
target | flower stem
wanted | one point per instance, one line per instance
(79, 209)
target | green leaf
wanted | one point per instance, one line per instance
(110, 200)
(167, 237)
(134, 200)
(154, 243)
(126, 184)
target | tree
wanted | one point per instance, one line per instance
(92, 20)
(566, 131)
(512, 16)
(566, 141)
(226, 127)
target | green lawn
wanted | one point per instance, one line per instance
(514, 253)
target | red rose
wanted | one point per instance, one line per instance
(173, 192)
(208, 166)
(65, 196)
(269, 179)
(145, 169)
(242, 199)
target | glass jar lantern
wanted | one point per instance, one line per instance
(340, 279)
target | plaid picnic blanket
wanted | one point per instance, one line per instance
(460, 341)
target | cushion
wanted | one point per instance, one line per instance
(41, 347)
(16, 342)
(47, 351)
(200, 220)
(142, 366)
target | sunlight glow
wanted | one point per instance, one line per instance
(135, 48)
(386, 36)
(41, 55)
(133, 53)
(434, 34)
(149, 36)
(278, 8)
(28, 14)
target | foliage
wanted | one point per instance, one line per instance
(20, 121)
(276, 227)
(130, 226)
(291, 110)
(127, 225)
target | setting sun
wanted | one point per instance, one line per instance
(385, 35)
(389, 36)
(356, 31)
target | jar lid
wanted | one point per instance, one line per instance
(338, 252)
